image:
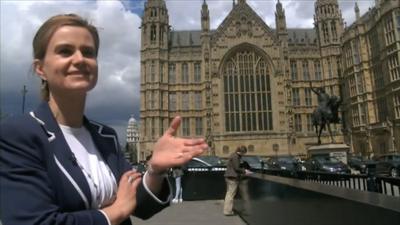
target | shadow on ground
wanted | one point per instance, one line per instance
(192, 213)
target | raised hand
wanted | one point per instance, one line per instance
(171, 151)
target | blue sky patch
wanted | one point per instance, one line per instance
(134, 6)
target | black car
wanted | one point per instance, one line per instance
(205, 162)
(388, 164)
(253, 162)
(326, 164)
(364, 166)
(283, 163)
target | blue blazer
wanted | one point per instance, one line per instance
(40, 182)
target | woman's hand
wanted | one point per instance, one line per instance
(170, 151)
(125, 202)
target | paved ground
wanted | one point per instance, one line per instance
(192, 213)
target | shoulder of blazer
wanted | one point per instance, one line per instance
(21, 126)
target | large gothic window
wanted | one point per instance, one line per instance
(247, 93)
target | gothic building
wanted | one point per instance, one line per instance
(243, 83)
(371, 79)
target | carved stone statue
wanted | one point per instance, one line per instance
(326, 113)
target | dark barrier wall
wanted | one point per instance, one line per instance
(284, 201)
(203, 185)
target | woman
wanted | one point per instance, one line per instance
(58, 167)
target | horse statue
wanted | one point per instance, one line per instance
(326, 113)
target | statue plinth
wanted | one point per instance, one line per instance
(338, 151)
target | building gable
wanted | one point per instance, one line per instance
(243, 21)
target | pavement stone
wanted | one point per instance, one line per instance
(207, 212)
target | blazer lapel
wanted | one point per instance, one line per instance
(63, 156)
(107, 144)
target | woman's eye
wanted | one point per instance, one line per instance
(89, 53)
(65, 52)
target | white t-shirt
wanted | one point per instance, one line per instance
(99, 176)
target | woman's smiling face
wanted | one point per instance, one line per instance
(70, 63)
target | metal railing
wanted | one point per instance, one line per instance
(380, 184)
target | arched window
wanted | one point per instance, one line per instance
(153, 34)
(247, 92)
(333, 31)
(325, 32)
(161, 35)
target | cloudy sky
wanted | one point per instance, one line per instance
(116, 96)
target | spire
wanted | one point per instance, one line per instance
(278, 5)
(357, 11)
(280, 18)
(242, 1)
(205, 17)
(279, 8)
(233, 4)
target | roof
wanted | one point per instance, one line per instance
(302, 36)
(185, 38)
(188, 38)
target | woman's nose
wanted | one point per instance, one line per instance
(78, 57)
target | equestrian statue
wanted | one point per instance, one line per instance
(326, 113)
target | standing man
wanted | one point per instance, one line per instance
(233, 175)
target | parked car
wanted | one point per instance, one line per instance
(388, 164)
(213, 162)
(326, 164)
(286, 162)
(254, 162)
(364, 166)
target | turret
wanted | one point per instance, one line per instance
(155, 24)
(153, 69)
(328, 22)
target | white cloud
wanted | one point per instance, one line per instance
(117, 93)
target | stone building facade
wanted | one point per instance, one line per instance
(371, 79)
(243, 83)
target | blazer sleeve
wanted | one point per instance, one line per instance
(26, 194)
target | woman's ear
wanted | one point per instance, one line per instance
(38, 66)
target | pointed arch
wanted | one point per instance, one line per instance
(245, 71)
